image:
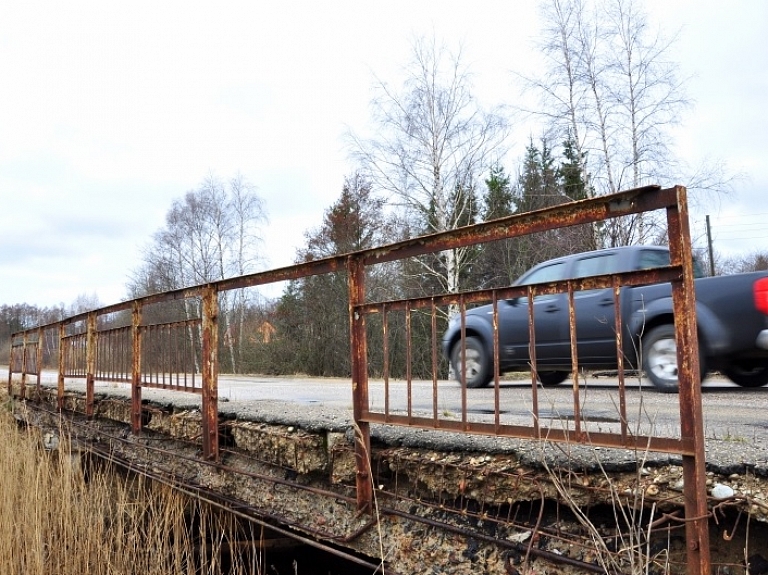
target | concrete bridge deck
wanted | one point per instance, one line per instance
(453, 503)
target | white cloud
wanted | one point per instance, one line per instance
(110, 111)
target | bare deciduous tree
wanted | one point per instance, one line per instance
(433, 143)
(83, 303)
(211, 233)
(611, 83)
(753, 262)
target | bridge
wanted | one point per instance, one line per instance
(409, 472)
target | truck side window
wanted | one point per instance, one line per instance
(596, 266)
(546, 274)
(653, 259)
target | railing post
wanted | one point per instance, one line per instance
(90, 363)
(689, 377)
(23, 387)
(60, 380)
(136, 368)
(39, 360)
(10, 368)
(210, 373)
(359, 360)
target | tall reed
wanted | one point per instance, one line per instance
(56, 519)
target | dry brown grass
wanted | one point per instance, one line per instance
(57, 521)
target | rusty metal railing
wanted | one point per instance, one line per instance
(183, 355)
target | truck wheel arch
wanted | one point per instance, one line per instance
(712, 334)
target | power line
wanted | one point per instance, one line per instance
(740, 238)
(743, 225)
(753, 233)
(751, 214)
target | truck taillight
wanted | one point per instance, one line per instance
(761, 295)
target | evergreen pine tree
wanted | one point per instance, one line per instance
(494, 266)
(572, 172)
(498, 199)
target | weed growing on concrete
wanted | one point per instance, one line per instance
(364, 448)
(628, 549)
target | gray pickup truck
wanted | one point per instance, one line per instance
(731, 314)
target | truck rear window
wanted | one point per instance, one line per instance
(660, 258)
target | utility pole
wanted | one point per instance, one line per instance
(709, 247)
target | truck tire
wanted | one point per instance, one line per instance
(477, 371)
(552, 378)
(748, 373)
(659, 353)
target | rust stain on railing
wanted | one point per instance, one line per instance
(184, 355)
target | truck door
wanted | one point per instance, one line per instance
(550, 311)
(595, 312)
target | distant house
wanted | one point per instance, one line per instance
(266, 331)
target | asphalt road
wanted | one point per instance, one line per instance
(727, 407)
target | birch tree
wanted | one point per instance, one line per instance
(210, 233)
(611, 86)
(432, 146)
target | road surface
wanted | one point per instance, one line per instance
(729, 411)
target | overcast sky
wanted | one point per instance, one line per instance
(109, 111)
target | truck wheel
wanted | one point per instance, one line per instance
(478, 366)
(748, 373)
(660, 358)
(552, 378)
(659, 352)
